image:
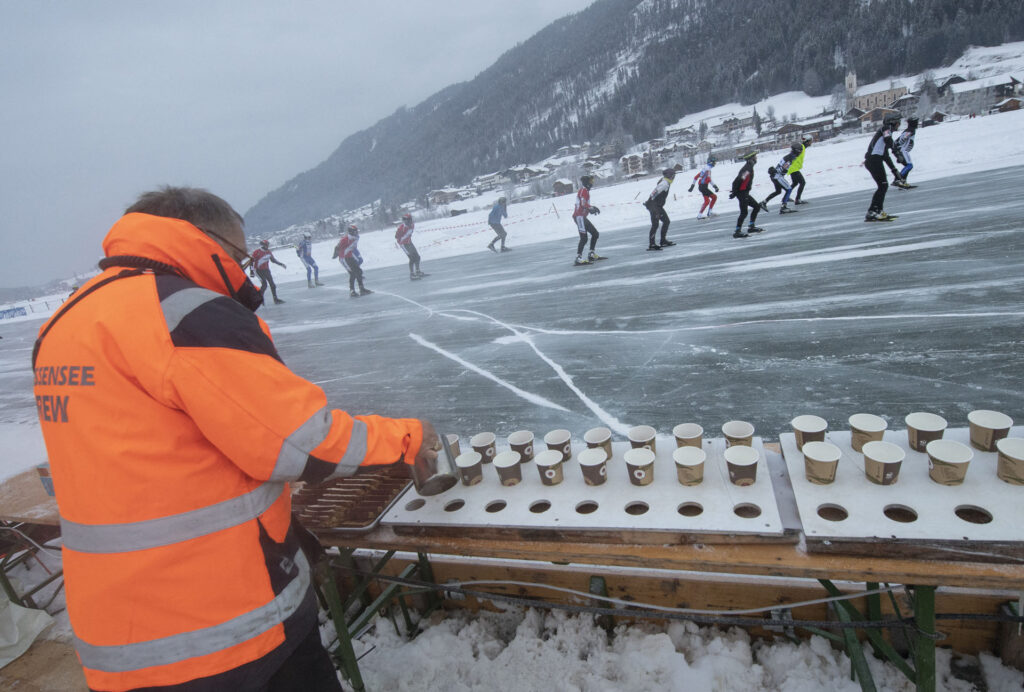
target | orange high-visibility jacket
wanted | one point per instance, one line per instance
(172, 429)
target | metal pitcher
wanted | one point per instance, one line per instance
(433, 478)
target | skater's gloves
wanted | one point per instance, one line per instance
(595, 210)
(691, 189)
(714, 186)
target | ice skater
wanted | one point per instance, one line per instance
(498, 212)
(795, 167)
(347, 252)
(876, 155)
(305, 252)
(902, 147)
(656, 206)
(703, 180)
(742, 185)
(777, 173)
(583, 226)
(404, 237)
(261, 259)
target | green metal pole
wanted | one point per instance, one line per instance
(858, 663)
(924, 653)
(345, 653)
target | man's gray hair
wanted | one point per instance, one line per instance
(201, 208)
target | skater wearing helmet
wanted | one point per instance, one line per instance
(404, 237)
(877, 153)
(583, 225)
(777, 173)
(901, 147)
(347, 252)
(261, 259)
(305, 252)
(702, 180)
(794, 168)
(741, 188)
(656, 206)
(498, 212)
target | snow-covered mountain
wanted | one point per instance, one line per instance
(619, 72)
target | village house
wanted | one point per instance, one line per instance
(977, 95)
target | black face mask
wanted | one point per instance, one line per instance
(247, 294)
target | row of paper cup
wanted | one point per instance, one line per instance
(948, 460)
(689, 455)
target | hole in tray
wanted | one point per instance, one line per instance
(540, 506)
(496, 506)
(832, 512)
(973, 514)
(746, 510)
(454, 505)
(586, 507)
(900, 513)
(415, 504)
(690, 509)
(637, 508)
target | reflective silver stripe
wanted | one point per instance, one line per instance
(178, 647)
(153, 533)
(178, 305)
(355, 452)
(296, 447)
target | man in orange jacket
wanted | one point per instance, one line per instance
(173, 429)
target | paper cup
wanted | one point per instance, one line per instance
(688, 435)
(742, 463)
(820, 461)
(808, 429)
(948, 461)
(641, 436)
(594, 465)
(865, 427)
(987, 428)
(507, 466)
(882, 462)
(453, 444)
(484, 444)
(640, 464)
(738, 432)
(689, 464)
(521, 441)
(599, 437)
(560, 440)
(549, 466)
(1010, 467)
(470, 468)
(922, 428)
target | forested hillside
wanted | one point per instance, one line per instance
(619, 72)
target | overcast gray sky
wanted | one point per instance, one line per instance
(104, 99)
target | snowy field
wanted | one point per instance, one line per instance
(820, 314)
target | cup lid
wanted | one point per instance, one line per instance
(868, 422)
(949, 451)
(993, 420)
(467, 459)
(809, 424)
(822, 451)
(741, 455)
(506, 459)
(883, 452)
(689, 456)
(639, 457)
(1012, 447)
(549, 457)
(592, 457)
(921, 420)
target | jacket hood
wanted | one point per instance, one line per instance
(181, 245)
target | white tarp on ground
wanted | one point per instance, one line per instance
(19, 627)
